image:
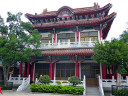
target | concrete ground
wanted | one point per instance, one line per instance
(14, 93)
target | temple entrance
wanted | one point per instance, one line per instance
(65, 70)
(91, 71)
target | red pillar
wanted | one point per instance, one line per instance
(28, 68)
(50, 69)
(53, 67)
(104, 71)
(77, 35)
(25, 70)
(110, 77)
(101, 34)
(20, 70)
(32, 70)
(114, 73)
(54, 39)
(77, 68)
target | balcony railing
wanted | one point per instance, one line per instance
(67, 45)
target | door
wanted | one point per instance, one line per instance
(91, 71)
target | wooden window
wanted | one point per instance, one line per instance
(66, 37)
(46, 38)
(89, 36)
(65, 70)
(41, 69)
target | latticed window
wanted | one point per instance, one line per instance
(66, 37)
(65, 70)
(89, 36)
(41, 69)
(46, 38)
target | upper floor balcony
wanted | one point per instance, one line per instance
(67, 45)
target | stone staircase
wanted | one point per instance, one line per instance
(92, 91)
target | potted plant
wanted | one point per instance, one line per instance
(11, 70)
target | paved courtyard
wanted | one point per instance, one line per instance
(14, 93)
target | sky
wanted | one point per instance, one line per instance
(36, 6)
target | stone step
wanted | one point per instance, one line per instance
(92, 91)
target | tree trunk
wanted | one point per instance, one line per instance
(118, 79)
(5, 73)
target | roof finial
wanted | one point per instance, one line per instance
(96, 5)
(45, 11)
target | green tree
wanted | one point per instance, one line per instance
(124, 36)
(17, 42)
(74, 80)
(109, 53)
(45, 79)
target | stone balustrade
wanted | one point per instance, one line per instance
(67, 45)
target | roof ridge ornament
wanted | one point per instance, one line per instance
(44, 11)
(96, 5)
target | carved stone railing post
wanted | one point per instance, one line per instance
(10, 77)
(113, 81)
(36, 81)
(19, 78)
(84, 85)
(54, 82)
(127, 80)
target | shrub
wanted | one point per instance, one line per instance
(74, 80)
(57, 89)
(58, 82)
(4, 87)
(122, 92)
(44, 79)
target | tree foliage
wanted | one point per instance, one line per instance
(45, 79)
(74, 80)
(124, 36)
(110, 53)
(17, 41)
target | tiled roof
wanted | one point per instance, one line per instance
(59, 52)
(74, 11)
(95, 21)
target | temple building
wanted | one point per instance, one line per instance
(68, 36)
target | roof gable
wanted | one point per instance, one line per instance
(64, 11)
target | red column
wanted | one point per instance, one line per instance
(28, 67)
(25, 70)
(77, 68)
(77, 35)
(20, 70)
(113, 70)
(110, 77)
(32, 70)
(104, 72)
(53, 67)
(54, 39)
(50, 69)
(101, 34)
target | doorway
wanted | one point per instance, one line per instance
(91, 71)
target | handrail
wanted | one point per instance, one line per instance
(101, 87)
(25, 84)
